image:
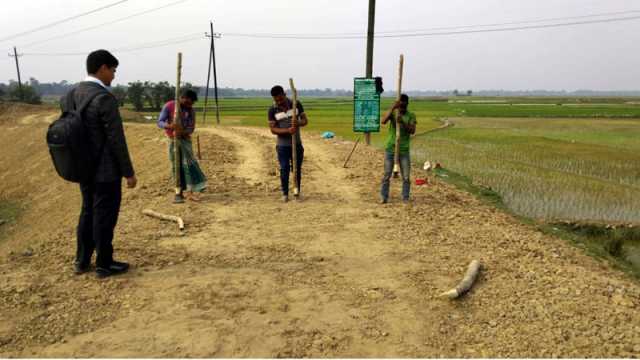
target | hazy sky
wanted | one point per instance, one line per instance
(602, 56)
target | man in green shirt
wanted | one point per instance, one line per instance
(407, 122)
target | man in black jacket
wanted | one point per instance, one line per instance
(101, 197)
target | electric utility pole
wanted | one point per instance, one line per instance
(370, 34)
(212, 58)
(15, 55)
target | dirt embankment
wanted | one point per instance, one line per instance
(336, 275)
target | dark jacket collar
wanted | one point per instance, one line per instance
(92, 84)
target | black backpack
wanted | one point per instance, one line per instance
(67, 139)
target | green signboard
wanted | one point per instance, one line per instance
(366, 105)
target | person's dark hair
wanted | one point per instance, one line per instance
(97, 58)
(189, 93)
(277, 90)
(404, 98)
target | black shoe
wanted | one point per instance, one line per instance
(80, 268)
(114, 269)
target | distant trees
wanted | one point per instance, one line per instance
(197, 89)
(239, 92)
(4, 91)
(154, 95)
(157, 94)
(120, 93)
(13, 92)
(135, 94)
(53, 88)
(26, 93)
(145, 95)
(456, 92)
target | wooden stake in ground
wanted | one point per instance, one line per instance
(351, 153)
(160, 216)
(198, 146)
(466, 283)
(396, 165)
(177, 123)
(294, 138)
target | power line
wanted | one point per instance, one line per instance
(417, 33)
(150, 45)
(106, 23)
(143, 47)
(61, 21)
(522, 22)
(518, 28)
(194, 36)
(459, 27)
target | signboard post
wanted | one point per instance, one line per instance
(366, 105)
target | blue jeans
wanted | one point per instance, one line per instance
(405, 170)
(285, 159)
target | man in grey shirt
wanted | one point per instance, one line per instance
(280, 116)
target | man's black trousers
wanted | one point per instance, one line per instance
(98, 218)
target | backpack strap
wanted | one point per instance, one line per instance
(80, 111)
(69, 101)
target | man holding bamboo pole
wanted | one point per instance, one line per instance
(178, 120)
(192, 179)
(406, 121)
(282, 124)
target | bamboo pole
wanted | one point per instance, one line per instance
(396, 165)
(351, 153)
(177, 121)
(198, 146)
(467, 282)
(294, 138)
(160, 216)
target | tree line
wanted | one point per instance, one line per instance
(142, 95)
(25, 93)
(145, 95)
(151, 96)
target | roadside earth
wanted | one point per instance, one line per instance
(334, 275)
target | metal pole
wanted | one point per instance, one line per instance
(206, 91)
(15, 55)
(215, 77)
(370, 34)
